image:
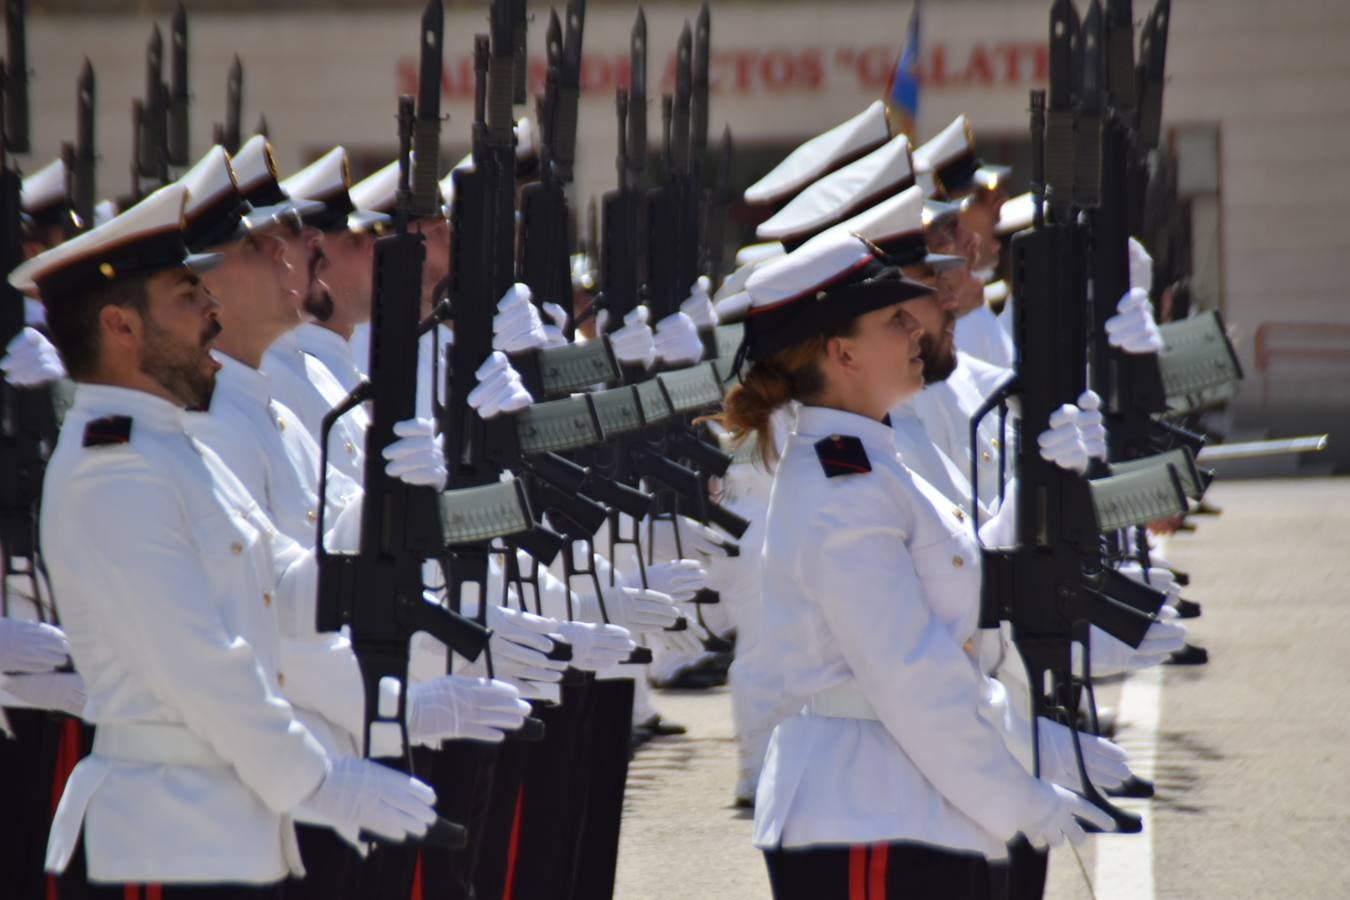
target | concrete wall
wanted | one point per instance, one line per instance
(1274, 78)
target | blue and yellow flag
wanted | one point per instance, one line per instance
(902, 95)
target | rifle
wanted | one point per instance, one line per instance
(545, 251)
(229, 135)
(377, 591)
(672, 208)
(1053, 586)
(28, 425)
(622, 241)
(1130, 384)
(176, 149)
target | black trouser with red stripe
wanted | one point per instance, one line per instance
(879, 872)
(611, 732)
(34, 766)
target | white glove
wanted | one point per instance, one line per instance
(640, 611)
(680, 579)
(1141, 266)
(554, 336)
(416, 457)
(499, 388)
(1132, 328)
(1091, 429)
(1113, 657)
(1060, 443)
(518, 645)
(30, 360)
(1104, 761)
(61, 691)
(698, 307)
(596, 646)
(455, 707)
(1060, 824)
(359, 794)
(677, 340)
(31, 646)
(516, 327)
(633, 344)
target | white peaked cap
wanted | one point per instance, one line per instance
(145, 239)
(821, 155)
(805, 270)
(896, 227)
(378, 191)
(254, 166)
(327, 176)
(1015, 215)
(45, 188)
(842, 193)
(951, 156)
(755, 253)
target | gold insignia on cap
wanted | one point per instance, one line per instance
(107, 271)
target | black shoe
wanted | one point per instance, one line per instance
(1187, 609)
(1135, 788)
(691, 679)
(660, 727)
(743, 802)
(1191, 655)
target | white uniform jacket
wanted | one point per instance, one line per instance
(278, 463)
(170, 578)
(872, 583)
(980, 334)
(307, 388)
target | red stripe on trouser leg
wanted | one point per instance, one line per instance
(513, 848)
(857, 872)
(417, 879)
(876, 873)
(131, 892)
(154, 892)
(67, 755)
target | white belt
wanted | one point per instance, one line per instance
(152, 743)
(146, 743)
(844, 701)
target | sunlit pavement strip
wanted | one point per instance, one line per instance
(1124, 869)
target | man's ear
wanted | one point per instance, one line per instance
(120, 325)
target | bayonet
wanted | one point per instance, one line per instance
(678, 155)
(177, 137)
(568, 93)
(151, 161)
(427, 128)
(83, 191)
(234, 106)
(637, 101)
(698, 123)
(16, 77)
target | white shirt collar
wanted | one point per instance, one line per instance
(322, 342)
(95, 401)
(236, 378)
(820, 421)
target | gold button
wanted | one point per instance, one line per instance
(995, 442)
(309, 514)
(985, 456)
(957, 562)
(281, 680)
(236, 548)
(959, 513)
(969, 645)
(351, 449)
(281, 424)
(267, 598)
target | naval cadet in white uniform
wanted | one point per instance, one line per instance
(167, 572)
(892, 772)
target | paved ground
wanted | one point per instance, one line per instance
(1250, 753)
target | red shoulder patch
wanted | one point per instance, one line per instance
(842, 455)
